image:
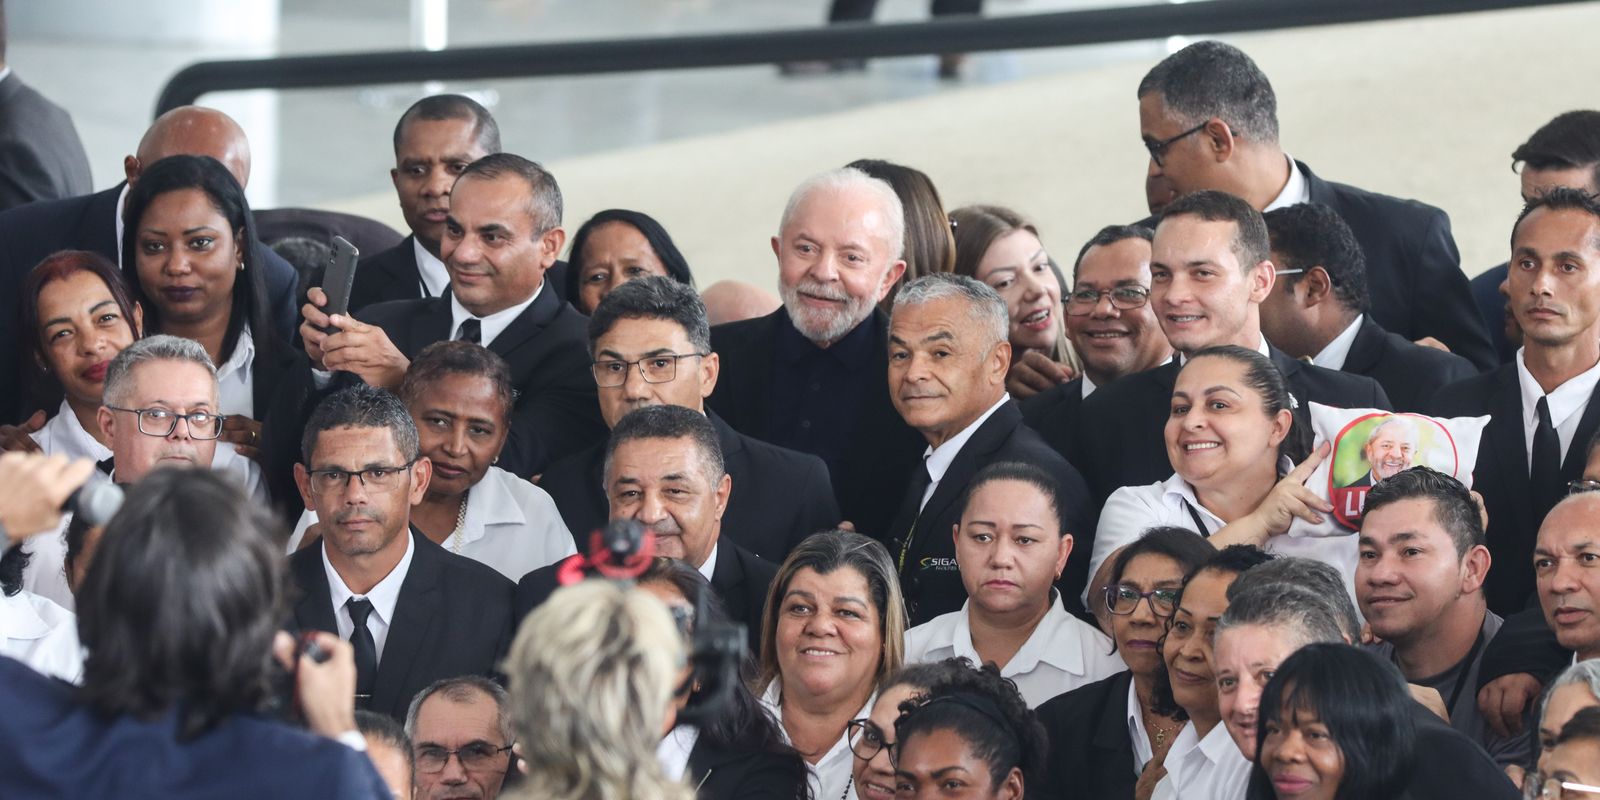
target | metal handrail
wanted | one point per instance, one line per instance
(859, 40)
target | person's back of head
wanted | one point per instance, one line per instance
(593, 671)
(1324, 583)
(929, 244)
(1002, 737)
(390, 750)
(1564, 151)
(192, 131)
(179, 607)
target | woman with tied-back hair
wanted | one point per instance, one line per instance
(834, 629)
(593, 675)
(971, 737)
(614, 247)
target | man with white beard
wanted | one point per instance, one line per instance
(812, 376)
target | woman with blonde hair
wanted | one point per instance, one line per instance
(593, 673)
(833, 630)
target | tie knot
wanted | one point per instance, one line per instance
(471, 331)
(360, 608)
(1543, 407)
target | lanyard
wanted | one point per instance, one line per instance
(1199, 522)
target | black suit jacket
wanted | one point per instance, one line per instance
(1053, 413)
(41, 157)
(1448, 765)
(392, 274)
(873, 473)
(927, 560)
(1409, 373)
(547, 348)
(719, 772)
(1501, 476)
(740, 578)
(1090, 751)
(453, 618)
(1413, 268)
(1120, 441)
(1492, 307)
(779, 496)
(88, 222)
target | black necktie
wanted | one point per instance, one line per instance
(912, 507)
(471, 330)
(1544, 476)
(366, 649)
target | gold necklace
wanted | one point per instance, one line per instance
(1160, 732)
(461, 521)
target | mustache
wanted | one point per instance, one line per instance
(822, 290)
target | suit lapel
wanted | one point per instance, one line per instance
(1578, 452)
(97, 230)
(1365, 349)
(411, 628)
(529, 323)
(314, 611)
(1317, 188)
(1506, 442)
(402, 269)
(985, 440)
(727, 577)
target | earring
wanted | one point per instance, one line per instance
(241, 265)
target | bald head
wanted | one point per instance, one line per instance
(731, 301)
(193, 131)
(1569, 589)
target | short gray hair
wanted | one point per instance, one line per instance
(984, 305)
(544, 195)
(848, 179)
(464, 689)
(1583, 673)
(160, 347)
(1322, 580)
(1288, 607)
(1212, 79)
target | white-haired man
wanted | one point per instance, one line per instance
(809, 376)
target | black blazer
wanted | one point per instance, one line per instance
(1501, 476)
(453, 618)
(1120, 441)
(1053, 413)
(392, 274)
(740, 578)
(547, 348)
(1413, 268)
(873, 474)
(41, 157)
(719, 772)
(1409, 373)
(88, 222)
(928, 575)
(779, 496)
(1091, 753)
(1448, 765)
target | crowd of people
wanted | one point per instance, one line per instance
(991, 523)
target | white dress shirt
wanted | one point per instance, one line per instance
(494, 324)
(122, 199)
(1086, 386)
(64, 435)
(1132, 510)
(1295, 191)
(711, 562)
(1261, 347)
(41, 634)
(1567, 403)
(830, 776)
(383, 596)
(435, 278)
(1334, 354)
(673, 752)
(938, 459)
(1209, 768)
(1061, 654)
(1142, 751)
(236, 377)
(510, 525)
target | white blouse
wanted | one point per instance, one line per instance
(511, 525)
(830, 777)
(41, 634)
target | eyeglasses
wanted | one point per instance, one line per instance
(1124, 600)
(866, 738)
(1281, 272)
(475, 756)
(1158, 150)
(162, 422)
(325, 481)
(661, 368)
(1538, 787)
(1579, 487)
(1123, 298)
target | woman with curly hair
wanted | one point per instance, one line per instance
(973, 736)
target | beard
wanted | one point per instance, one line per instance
(824, 327)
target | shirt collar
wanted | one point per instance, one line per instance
(1569, 398)
(674, 750)
(435, 278)
(494, 324)
(20, 620)
(1295, 191)
(1334, 354)
(490, 502)
(243, 355)
(711, 562)
(1261, 347)
(1176, 491)
(5, 72)
(384, 596)
(855, 350)
(68, 437)
(122, 198)
(1088, 386)
(1053, 641)
(939, 458)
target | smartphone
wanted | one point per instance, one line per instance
(340, 276)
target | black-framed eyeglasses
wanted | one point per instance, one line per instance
(1158, 150)
(866, 738)
(660, 368)
(325, 481)
(1123, 298)
(1579, 487)
(162, 422)
(475, 757)
(1124, 600)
